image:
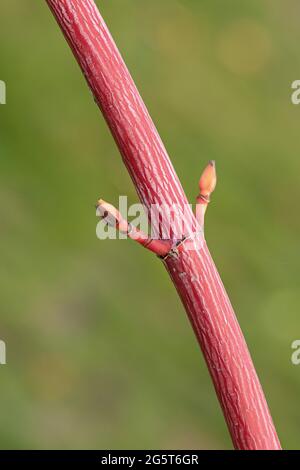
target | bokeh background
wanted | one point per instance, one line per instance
(100, 353)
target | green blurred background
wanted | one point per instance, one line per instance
(99, 350)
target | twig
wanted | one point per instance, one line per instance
(192, 270)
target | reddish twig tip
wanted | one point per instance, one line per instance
(114, 218)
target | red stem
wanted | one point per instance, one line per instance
(192, 271)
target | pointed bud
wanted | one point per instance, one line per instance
(111, 215)
(208, 180)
